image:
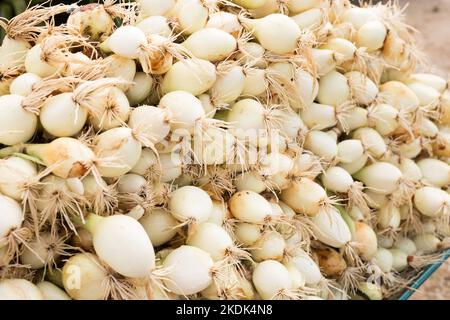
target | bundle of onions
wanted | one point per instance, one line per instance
(96, 21)
(155, 53)
(52, 54)
(219, 150)
(23, 29)
(105, 105)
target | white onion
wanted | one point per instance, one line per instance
(304, 196)
(229, 85)
(354, 118)
(19, 289)
(151, 122)
(249, 206)
(307, 267)
(333, 89)
(337, 179)
(307, 86)
(384, 260)
(406, 245)
(325, 60)
(247, 233)
(69, 157)
(61, 116)
(52, 292)
(159, 225)
(344, 47)
(398, 95)
(34, 63)
(192, 75)
(13, 52)
(251, 181)
(371, 140)
(280, 281)
(319, 116)
(275, 32)
(357, 16)
(155, 7)
(350, 150)
(270, 246)
(211, 44)
(16, 123)
(363, 90)
(83, 277)
(123, 244)
(250, 4)
(321, 144)
(330, 228)
(190, 15)
(184, 109)
(277, 166)
(23, 84)
(431, 201)
(431, 80)
(12, 216)
(426, 94)
(426, 243)
(190, 203)
(158, 25)
(225, 21)
(15, 172)
(388, 217)
(119, 150)
(381, 177)
(399, 260)
(127, 41)
(355, 166)
(189, 270)
(140, 90)
(122, 68)
(435, 171)
(212, 239)
(371, 35)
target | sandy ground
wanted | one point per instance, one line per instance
(432, 19)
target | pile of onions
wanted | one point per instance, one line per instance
(243, 149)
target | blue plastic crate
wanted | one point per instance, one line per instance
(423, 277)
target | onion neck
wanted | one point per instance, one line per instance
(9, 151)
(92, 222)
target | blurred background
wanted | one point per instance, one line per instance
(432, 19)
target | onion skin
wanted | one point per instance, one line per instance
(331, 262)
(367, 240)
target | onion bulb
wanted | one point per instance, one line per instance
(123, 244)
(189, 270)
